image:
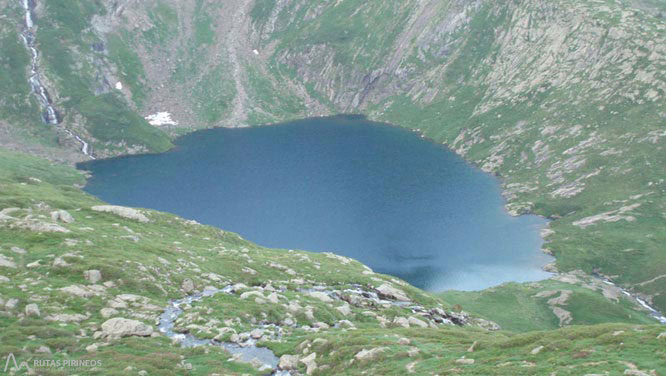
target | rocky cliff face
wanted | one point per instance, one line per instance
(563, 99)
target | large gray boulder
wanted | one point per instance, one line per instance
(32, 310)
(288, 362)
(390, 292)
(62, 216)
(7, 262)
(321, 296)
(122, 212)
(310, 363)
(77, 290)
(92, 276)
(67, 317)
(38, 226)
(118, 327)
(369, 355)
(413, 321)
(187, 286)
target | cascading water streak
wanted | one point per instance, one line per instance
(49, 113)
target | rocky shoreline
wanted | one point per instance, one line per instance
(244, 347)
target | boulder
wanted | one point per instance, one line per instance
(66, 317)
(288, 362)
(77, 290)
(417, 322)
(383, 322)
(293, 307)
(486, 324)
(636, 372)
(37, 226)
(309, 313)
(32, 310)
(256, 333)
(410, 367)
(122, 211)
(320, 325)
(310, 364)
(118, 327)
(346, 324)
(369, 355)
(132, 298)
(108, 312)
(7, 262)
(92, 276)
(62, 216)
(344, 309)
(401, 321)
(273, 298)
(117, 303)
(187, 286)
(19, 250)
(11, 303)
(223, 332)
(465, 361)
(59, 262)
(250, 294)
(321, 296)
(390, 292)
(536, 350)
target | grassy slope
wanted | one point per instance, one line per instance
(603, 349)
(517, 307)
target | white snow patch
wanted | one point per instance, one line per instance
(255, 52)
(161, 118)
(119, 85)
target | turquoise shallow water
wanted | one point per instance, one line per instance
(380, 194)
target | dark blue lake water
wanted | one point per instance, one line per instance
(380, 194)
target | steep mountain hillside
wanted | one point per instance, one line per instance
(564, 100)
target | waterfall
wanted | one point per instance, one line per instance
(49, 114)
(653, 311)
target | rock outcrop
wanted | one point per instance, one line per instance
(390, 292)
(118, 327)
(122, 211)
